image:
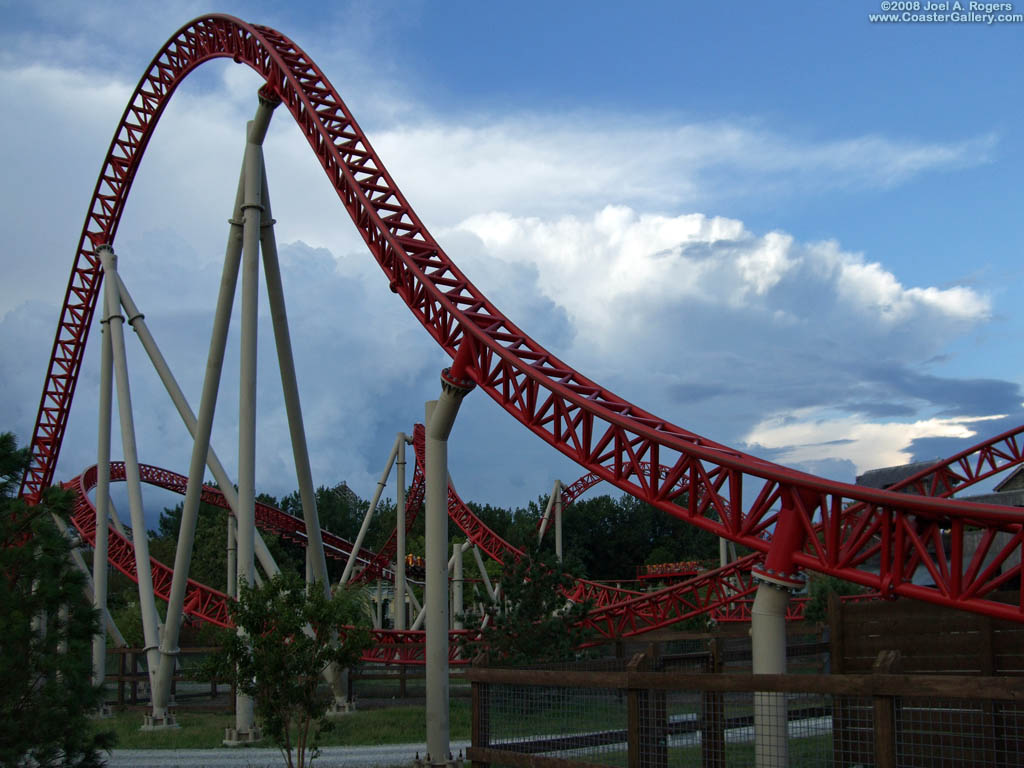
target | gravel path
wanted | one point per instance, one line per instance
(251, 757)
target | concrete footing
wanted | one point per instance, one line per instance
(342, 707)
(151, 722)
(426, 762)
(236, 738)
(102, 712)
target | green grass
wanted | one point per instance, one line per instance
(197, 730)
(809, 752)
(395, 725)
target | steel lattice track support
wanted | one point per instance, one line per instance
(202, 602)
(619, 610)
(941, 480)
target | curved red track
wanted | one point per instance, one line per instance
(766, 507)
(208, 604)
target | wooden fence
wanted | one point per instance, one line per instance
(131, 675)
(895, 734)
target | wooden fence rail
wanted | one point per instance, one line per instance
(884, 694)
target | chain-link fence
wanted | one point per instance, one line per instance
(640, 716)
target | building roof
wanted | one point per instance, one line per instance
(1014, 481)
(886, 477)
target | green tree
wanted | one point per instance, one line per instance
(535, 623)
(819, 587)
(612, 536)
(209, 549)
(290, 639)
(46, 689)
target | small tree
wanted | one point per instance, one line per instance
(291, 637)
(46, 690)
(535, 623)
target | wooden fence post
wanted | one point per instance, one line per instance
(634, 755)
(121, 671)
(480, 733)
(887, 662)
(712, 714)
(656, 731)
(135, 682)
(841, 746)
(647, 718)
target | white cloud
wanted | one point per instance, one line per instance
(551, 164)
(560, 219)
(810, 436)
(620, 262)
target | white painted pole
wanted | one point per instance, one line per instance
(290, 388)
(232, 557)
(245, 729)
(421, 616)
(557, 493)
(99, 554)
(483, 575)
(458, 607)
(768, 636)
(114, 517)
(768, 632)
(378, 613)
(545, 519)
(220, 475)
(89, 590)
(147, 602)
(354, 554)
(440, 415)
(400, 544)
(413, 600)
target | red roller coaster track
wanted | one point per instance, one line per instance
(795, 519)
(207, 604)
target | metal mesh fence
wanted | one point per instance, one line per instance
(587, 724)
(939, 733)
(655, 728)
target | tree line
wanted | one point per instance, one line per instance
(605, 537)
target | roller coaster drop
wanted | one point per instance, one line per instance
(791, 520)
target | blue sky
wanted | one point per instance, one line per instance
(783, 226)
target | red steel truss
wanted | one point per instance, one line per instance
(204, 603)
(769, 508)
(723, 592)
(942, 479)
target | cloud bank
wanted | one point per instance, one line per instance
(584, 228)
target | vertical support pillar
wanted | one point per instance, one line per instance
(99, 553)
(401, 622)
(457, 587)
(245, 729)
(558, 520)
(440, 416)
(232, 557)
(115, 326)
(768, 632)
(777, 579)
(289, 382)
(378, 614)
